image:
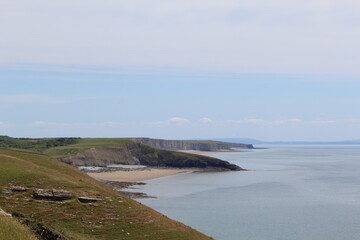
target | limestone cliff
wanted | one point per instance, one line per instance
(136, 153)
(175, 145)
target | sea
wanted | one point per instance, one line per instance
(289, 193)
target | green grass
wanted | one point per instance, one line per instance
(36, 144)
(11, 229)
(58, 147)
(83, 144)
(114, 218)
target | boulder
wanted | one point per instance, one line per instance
(89, 199)
(52, 194)
(13, 189)
(18, 189)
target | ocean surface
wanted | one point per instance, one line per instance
(291, 193)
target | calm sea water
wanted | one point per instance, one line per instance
(292, 193)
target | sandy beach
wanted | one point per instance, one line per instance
(139, 175)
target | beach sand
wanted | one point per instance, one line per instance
(139, 175)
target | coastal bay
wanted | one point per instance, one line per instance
(289, 192)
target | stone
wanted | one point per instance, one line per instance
(18, 189)
(89, 199)
(6, 191)
(52, 194)
(3, 213)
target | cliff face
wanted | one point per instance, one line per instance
(103, 156)
(137, 153)
(176, 145)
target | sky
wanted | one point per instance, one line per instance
(271, 70)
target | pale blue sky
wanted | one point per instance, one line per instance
(176, 104)
(272, 70)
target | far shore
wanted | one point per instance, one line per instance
(206, 153)
(139, 175)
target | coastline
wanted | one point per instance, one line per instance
(206, 153)
(139, 175)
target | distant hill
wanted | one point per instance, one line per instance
(94, 152)
(109, 151)
(198, 145)
(256, 141)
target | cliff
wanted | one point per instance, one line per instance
(132, 153)
(176, 145)
(109, 151)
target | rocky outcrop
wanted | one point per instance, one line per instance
(52, 194)
(133, 153)
(176, 145)
(103, 156)
(89, 199)
(14, 189)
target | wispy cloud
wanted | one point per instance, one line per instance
(292, 120)
(262, 121)
(248, 120)
(175, 121)
(287, 121)
(324, 122)
(112, 124)
(205, 120)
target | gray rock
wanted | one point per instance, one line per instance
(6, 191)
(52, 194)
(18, 189)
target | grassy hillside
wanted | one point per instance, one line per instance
(83, 144)
(35, 144)
(115, 217)
(102, 152)
(59, 147)
(11, 229)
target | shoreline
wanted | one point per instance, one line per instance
(207, 153)
(139, 175)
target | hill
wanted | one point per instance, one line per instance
(111, 217)
(132, 153)
(199, 145)
(109, 151)
(258, 142)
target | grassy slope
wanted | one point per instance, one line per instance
(83, 144)
(115, 218)
(12, 230)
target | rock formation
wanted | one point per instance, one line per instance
(176, 145)
(139, 154)
(52, 194)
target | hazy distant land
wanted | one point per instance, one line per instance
(256, 141)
